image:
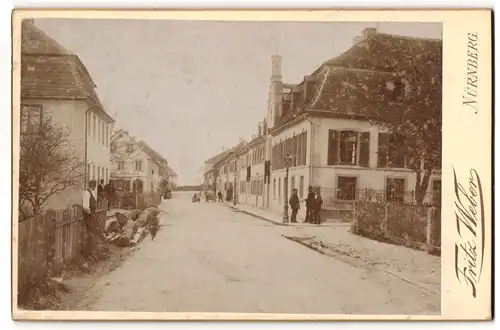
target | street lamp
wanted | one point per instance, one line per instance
(288, 161)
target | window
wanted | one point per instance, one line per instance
(391, 150)
(107, 135)
(279, 188)
(138, 165)
(98, 174)
(348, 148)
(93, 172)
(88, 172)
(121, 165)
(130, 147)
(292, 187)
(89, 123)
(295, 146)
(102, 133)
(301, 186)
(99, 132)
(394, 190)
(346, 188)
(436, 192)
(274, 187)
(31, 117)
(93, 126)
(107, 177)
(398, 91)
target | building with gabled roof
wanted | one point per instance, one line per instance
(326, 127)
(136, 165)
(56, 84)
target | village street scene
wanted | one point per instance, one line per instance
(173, 171)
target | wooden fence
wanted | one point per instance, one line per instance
(410, 225)
(50, 241)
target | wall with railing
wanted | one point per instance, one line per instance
(416, 226)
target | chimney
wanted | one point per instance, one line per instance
(309, 82)
(275, 91)
(276, 67)
(368, 32)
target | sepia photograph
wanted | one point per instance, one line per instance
(218, 166)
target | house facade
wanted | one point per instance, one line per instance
(330, 129)
(55, 84)
(251, 172)
(211, 172)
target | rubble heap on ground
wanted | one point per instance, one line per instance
(129, 229)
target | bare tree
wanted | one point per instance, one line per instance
(48, 165)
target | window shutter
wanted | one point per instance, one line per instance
(333, 150)
(304, 152)
(364, 149)
(383, 145)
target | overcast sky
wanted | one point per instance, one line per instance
(190, 88)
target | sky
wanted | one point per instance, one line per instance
(191, 88)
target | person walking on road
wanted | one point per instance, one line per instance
(221, 200)
(309, 205)
(294, 205)
(317, 205)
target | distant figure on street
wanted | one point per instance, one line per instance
(317, 205)
(294, 205)
(309, 205)
(219, 194)
(100, 190)
(109, 191)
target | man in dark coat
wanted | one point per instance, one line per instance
(294, 205)
(317, 205)
(309, 205)
(100, 190)
(220, 196)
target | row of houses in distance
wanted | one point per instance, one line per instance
(55, 84)
(326, 129)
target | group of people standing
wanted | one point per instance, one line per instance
(314, 204)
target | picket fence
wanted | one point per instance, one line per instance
(50, 241)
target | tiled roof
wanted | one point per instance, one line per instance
(353, 92)
(217, 157)
(170, 171)
(391, 53)
(155, 156)
(354, 83)
(51, 77)
(48, 71)
(34, 41)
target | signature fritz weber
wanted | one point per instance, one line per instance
(469, 97)
(469, 212)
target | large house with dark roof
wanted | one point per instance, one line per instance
(55, 83)
(327, 126)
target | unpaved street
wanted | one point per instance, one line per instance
(207, 258)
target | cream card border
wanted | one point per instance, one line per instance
(466, 146)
